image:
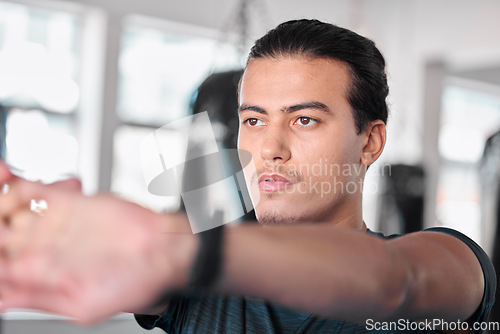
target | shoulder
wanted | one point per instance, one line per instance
(488, 270)
(462, 262)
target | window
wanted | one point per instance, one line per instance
(161, 66)
(469, 117)
(39, 73)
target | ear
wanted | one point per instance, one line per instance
(374, 142)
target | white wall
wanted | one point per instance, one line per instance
(410, 32)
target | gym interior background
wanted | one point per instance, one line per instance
(82, 82)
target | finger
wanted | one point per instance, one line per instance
(17, 297)
(53, 302)
(9, 197)
(71, 184)
(20, 195)
(4, 231)
(4, 271)
(5, 174)
(22, 221)
(30, 269)
(24, 234)
(63, 299)
(25, 267)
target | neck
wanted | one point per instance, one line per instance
(349, 214)
(353, 220)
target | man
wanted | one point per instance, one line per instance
(312, 94)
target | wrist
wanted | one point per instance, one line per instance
(175, 250)
(208, 262)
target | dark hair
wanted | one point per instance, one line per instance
(315, 39)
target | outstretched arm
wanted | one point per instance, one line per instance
(341, 273)
(91, 257)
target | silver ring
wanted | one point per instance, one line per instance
(39, 206)
(5, 189)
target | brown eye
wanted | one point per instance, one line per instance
(304, 120)
(254, 122)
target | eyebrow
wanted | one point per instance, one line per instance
(289, 109)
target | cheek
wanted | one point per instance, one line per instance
(244, 143)
(344, 149)
(314, 152)
(324, 162)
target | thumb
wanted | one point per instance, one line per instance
(21, 192)
(5, 174)
(71, 184)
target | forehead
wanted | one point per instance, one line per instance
(292, 79)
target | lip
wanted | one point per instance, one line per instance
(273, 182)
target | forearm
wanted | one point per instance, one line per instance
(347, 274)
(317, 269)
(172, 251)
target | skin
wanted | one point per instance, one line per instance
(87, 258)
(289, 135)
(327, 265)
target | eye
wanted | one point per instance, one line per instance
(305, 121)
(253, 122)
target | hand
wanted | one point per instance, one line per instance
(86, 257)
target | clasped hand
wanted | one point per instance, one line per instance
(84, 257)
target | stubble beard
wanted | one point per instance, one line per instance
(274, 217)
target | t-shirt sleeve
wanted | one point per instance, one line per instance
(176, 305)
(490, 279)
(147, 321)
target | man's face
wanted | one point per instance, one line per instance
(296, 122)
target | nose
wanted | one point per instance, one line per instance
(275, 146)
